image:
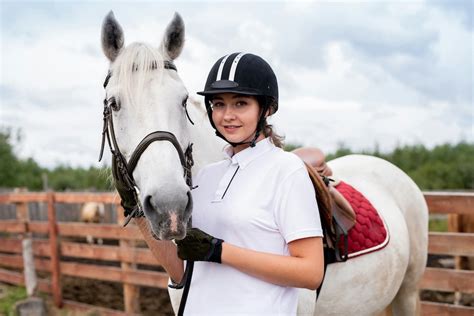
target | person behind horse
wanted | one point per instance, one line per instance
(259, 203)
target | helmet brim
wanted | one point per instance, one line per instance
(230, 90)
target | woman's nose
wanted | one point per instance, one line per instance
(229, 112)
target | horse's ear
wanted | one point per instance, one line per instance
(173, 41)
(112, 37)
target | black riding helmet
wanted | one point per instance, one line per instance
(247, 74)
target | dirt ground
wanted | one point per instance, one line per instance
(153, 301)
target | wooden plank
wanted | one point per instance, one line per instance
(131, 292)
(113, 274)
(12, 226)
(448, 280)
(19, 226)
(439, 309)
(456, 244)
(40, 247)
(29, 197)
(4, 198)
(22, 212)
(93, 310)
(109, 253)
(38, 227)
(11, 277)
(26, 197)
(16, 261)
(43, 264)
(110, 231)
(54, 252)
(10, 245)
(11, 261)
(44, 286)
(450, 202)
(107, 197)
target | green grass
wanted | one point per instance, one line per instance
(9, 295)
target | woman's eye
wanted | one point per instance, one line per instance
(217, 104)
(241, 104)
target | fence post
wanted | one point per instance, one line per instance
(131, 293)
(55, 256)
(454, 225)
(23, 216)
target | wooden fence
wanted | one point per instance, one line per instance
(56, 255)
(449, 243)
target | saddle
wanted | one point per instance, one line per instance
(337, 215)
(345, 227)
(342, 212)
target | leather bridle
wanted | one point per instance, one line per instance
(122, 170)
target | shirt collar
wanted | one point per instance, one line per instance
(246, 156)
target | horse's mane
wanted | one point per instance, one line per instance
(132, 67)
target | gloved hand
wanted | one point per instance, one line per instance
(199, 246)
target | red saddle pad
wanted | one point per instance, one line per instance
(369, 233)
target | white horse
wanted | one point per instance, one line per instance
(152, 99)
(93, 212)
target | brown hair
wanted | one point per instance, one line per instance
(276, 139)
(268, 131)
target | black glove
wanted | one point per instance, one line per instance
(199, 246)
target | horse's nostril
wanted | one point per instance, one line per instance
(148, 203)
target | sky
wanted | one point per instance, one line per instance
(355, 73)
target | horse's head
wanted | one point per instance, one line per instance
(144, 94)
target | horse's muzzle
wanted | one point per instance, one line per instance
(167, 224)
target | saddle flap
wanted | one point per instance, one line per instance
(342, 211)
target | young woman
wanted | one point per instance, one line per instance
(257, 231)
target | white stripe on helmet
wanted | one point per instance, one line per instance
(233, 68)
(221, 67)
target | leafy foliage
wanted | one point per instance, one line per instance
(445, 167)
(16, 172)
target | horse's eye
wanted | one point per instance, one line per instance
(114, 104)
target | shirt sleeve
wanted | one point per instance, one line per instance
(296, 212)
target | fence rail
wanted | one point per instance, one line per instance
(55, 253)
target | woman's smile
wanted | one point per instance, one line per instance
(235, 117)
(231, 128)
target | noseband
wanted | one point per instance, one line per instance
(122, 170)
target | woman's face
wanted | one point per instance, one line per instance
(235, 117)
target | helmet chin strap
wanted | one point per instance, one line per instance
(252, 142)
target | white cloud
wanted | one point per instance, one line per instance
(387, 72)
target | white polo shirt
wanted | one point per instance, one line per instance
(261, 198)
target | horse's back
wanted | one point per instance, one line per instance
(365, 285)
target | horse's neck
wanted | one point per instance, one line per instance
(207, 147)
